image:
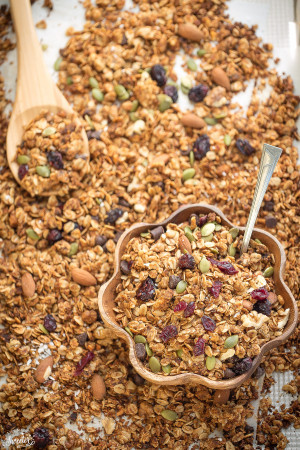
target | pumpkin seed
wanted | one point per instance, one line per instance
(93, 83)
(166, 369)
(44, 47)
(188, 174)
(192, 158)
(234, 232)
(231, 341)
(186, 84)
(214, 250)
(204, 265)
(58, 63)
(210, 120)
(121, 92)
(135, 105)
(97, 94)
(164, 102)
(172, 83)
(231, 250)
(218, 226)
(220, 115)
(207, 229)
(43, 171)
(179, 353)
(268, 272)
(69, 81)
(192, 65)
(23, 159)
(128, 331)
(145, 235)
(43, 329)
(227, 140)
(48, 131)
(208, 238)
(189, 234)
(257, 241)
(168, 414)
(73, 249)
(154, 364)
(32, 234)
(139, 339)
(201, 52)
(210, 362)
(133, 116)
(181, 287)
(89, 121)
(148, 349)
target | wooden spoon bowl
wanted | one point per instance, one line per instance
(107, 297)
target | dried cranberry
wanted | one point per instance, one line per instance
(259, 372)
(201, 146)
(242, 366)
(168, 332)
(125, 266)
(244, 147)
(190, 309)
(55, 160)
(186, 261)
(269, 206)
(199, 347)
(260, 293)
(82, 338)
(158, 74)
(228, 374)
(172, 92)
(146, 291)
(173, 281)
(197, 93)
(225, 266)
(113, 215)
(208, 323)
(181, 306)
(54, 236)
(50, 323)
(202, 221)
(73, 417)
(41, 437)
(22, 171)
(263, 307)
(215, 289)
(270, 221)
(83, 362)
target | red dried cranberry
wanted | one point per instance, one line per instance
(190, 309)
(55, 160)
(208, 323)
(168, 333)
(202, 221)
(260, 293)
(186, 261)
(242, 366)
(244, 147)
(146, 291)
(172, 92)
(83, 362)
(181, 306)
(158, 74)
(225, 266)
(197, 93)
(113, 215)
(54, 236)
(215, 289)
(41, 437)
(199, 347)
(50, 323)
(201, 146)
(22, 171)
(263, 307)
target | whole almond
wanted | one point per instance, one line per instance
(184, 244)
(98, 387)
(44, 369)
(190, 31)
(160, 160)
(220, 77)
(83, 277)
(221, 396)
(248, 305)
(28, 284)
(192, 120)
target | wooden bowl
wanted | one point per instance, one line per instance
(107, 298)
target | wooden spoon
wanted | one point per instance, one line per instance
(36, 90)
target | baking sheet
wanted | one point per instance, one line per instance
(276, 24)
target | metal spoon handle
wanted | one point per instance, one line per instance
(269, 159)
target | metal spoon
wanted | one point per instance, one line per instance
(269, 159)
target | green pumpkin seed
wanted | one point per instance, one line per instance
(268, 272)
(69, 81)
(189, 234)
(227, 140)
(179, 353)
(201, 52)
(172, 83)
(57, 63)
(181, 287)
(43, 171)
(23, 159)
(97, 94)
(220, 115)
(43, 329)
(210, 362)
(128, 331)
(133, 116)
(186, 84)
(234, 232)
(154, 364)
(188, 174)
(207, 229)
(73, 249)
(204, 265)
(214, 250)
(166, 369)
(135, 105)
(164, 102)
(89, 121)
(48, 131)
(231, 250)
(218, 226)
(121, 92)
(231, 341)
(210, 120)
(93, 83)
(257, 241)
(139, 339)
(192, 65)
(32, 234)
(145, 235)
(208, 238)
(148, 349)
(192, 158)
(44, 47)
(169, 415)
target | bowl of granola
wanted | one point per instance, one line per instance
(190, 307)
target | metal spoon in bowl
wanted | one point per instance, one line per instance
(269, 159)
